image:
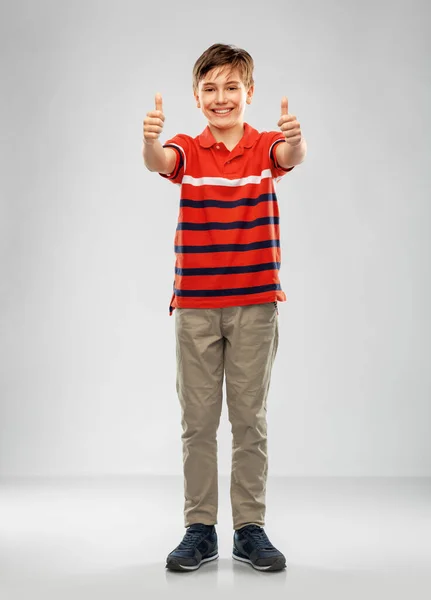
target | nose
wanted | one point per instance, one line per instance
(220, 97)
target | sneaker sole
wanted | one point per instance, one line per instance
(277, 565)
(174, 565)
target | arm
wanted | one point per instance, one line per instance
(157, 158)
(290, 156)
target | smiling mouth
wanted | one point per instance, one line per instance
(224, 111)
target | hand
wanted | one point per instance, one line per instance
(153, 122)
(289, 125)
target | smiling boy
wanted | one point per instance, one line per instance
(226, 289)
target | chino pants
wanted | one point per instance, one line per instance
(239, 343)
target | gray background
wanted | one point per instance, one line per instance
(87, 346)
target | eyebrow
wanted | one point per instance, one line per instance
(211, 83)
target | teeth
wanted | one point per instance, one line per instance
(222, 112)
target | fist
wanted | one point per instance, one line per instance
(289, 125)
(153, 122)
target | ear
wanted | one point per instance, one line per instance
(250, 94)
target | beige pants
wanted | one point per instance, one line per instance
(242, 342)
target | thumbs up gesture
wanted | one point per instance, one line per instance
(153, 122)
(289, 125)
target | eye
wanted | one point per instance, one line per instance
(212, 89)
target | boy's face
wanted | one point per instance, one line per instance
(222, 90)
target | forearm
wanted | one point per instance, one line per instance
(290, 156)
(154, 157)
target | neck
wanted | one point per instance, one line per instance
(232, 135)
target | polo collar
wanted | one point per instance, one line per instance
(250, 135)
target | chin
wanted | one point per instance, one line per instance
(222, 123)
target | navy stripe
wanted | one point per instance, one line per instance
(229, 292)
(228, 270)
(227, 247)
(274, 157)
(228, 203)
(181, 162)
(232, 225)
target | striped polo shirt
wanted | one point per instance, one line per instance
(227, 241)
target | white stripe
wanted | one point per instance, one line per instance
(223, 181)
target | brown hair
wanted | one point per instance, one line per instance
(219, 55)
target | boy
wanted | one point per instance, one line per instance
(226, 290)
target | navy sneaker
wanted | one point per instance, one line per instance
(251, 545)
(199, 545)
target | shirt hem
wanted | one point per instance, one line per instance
(226, 302)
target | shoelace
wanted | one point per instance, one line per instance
(258, 537)
(192, 538)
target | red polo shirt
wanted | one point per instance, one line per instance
(227, 241)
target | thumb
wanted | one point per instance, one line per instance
(159, 102)
(284, 106)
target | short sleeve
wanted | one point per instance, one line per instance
(276, 137)
(180, 144)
